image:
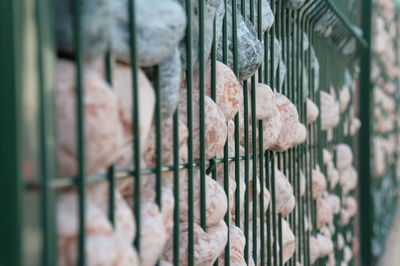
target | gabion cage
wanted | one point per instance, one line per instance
(236, 122)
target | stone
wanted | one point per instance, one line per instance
(288, 242)
(122, 78)
(325, 245)
(344, 98)
(250, 51)
(208, 245)
(153, 233)
(229, 92)
(272, 127)
(160, 26)
(300, 135)
(213, 10)
(318, 183)
(294, 4)
(333, 176)
(344, 157)
(237, 242)
(96, 16)
(282, 70)
(103, 128)
(265, 101)
(314, 249)
(289, 119)
(312, 111)
(170, 75)
(324, 212)
(103, 246)
(125, 225)
(267, 16)
(216, 200)
(214, 121)
(330, 111)
(348, 180)
(285, 200)
(167, 143)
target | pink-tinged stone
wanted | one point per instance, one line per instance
(103, 129)
(314, 249)
(265, 100)
(122, 78)
(312, 111)
(216, 200)
(351, 205)
(207, 245)
(167, 143)
(348, 179)
(334, 202)
(355, 125)
(325, 246)
(124, 221)
(237, 242)
(288, 241)
(324, 212)
(153, 233)
(300, 135)
(289, 119)
(229, 92)
(285, 200)
(318, 183)
(327, 156)
(302, 183)
(167, 200)
(103, 245)
(344, 156)
(215, 129)
(344, 98)
(330, 111)
(333, 176)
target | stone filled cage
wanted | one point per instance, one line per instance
(206, 121)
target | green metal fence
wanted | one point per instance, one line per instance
(313, 62)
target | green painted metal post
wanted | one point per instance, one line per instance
(10, 113)
(366, 211)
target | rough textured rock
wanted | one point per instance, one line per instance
(344, 98)
(237, 242)
(312, 112)
(215, 125)
(167, 139)
(153, 235)
(170, 74)
(324, 212)
(289, 119)
(160, 26)
(250, 50)
(348, 179)
(330, 111)
(208, 245)
(122, 79)
(216, 201)
(325, 245)
(103, 129)
(212, 10)
(97, 16)
(318, 183)
(344, 157)
(229, 93)
(267, 15)
(265, 101)
(103, 246)
(288, 241)
(285, 200)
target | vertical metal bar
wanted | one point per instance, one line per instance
(158, 183)
(136, 120)
(11, 47)
(176, 189)
(80, 119)
(365, 199)
(189, 73)
(46, 132)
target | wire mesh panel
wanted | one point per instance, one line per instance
(196, 132)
